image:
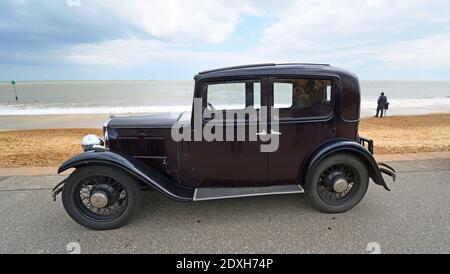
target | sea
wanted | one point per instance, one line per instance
(134, 97)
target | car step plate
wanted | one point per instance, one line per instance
(203, 194)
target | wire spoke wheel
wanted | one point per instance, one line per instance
(338, 184)
(101, 198)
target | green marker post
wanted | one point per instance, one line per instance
(13, 83)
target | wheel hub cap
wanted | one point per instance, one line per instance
(99, 200)
(340, 185)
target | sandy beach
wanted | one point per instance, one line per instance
(408, 134)
(38, 146)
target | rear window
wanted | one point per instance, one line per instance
(303, 98)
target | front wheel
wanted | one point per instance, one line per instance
(101, 197)
(338, 183)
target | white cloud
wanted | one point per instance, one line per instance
(124, 52)
(180, 21)
(425, 53)
(349, 33)
(357, 32)
(136, 52)
(331, 24)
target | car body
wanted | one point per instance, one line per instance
(313, 111)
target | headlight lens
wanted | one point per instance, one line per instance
(91, 141)
(106, 135)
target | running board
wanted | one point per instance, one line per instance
(204, 194)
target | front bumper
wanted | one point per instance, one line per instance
(57, 189)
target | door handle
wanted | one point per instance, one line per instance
(262, 133)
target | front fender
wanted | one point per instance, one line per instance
(135, 168)
(356, 149)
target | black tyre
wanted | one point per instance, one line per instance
(101, 197)
(338, 183)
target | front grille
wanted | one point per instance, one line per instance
(129, 145)
(142, 146)
(155, 146)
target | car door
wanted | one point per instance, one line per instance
(305, 108)
(233, 161)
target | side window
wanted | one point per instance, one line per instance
(226, 96)
(233, 95)
(256, 95)
(303, 98)
(282, 95)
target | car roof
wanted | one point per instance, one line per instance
(275, 69)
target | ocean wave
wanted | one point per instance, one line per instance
(412, 103)
(66, 110)
(403, 106)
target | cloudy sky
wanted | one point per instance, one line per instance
(174, 39)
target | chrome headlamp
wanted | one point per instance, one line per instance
(92, 142)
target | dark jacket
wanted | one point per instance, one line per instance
(382, 101)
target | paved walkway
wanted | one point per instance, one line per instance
(29, 171)
(48, 171)
(413, 218)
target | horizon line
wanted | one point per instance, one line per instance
(168, 80)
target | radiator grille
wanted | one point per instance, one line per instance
(155, 146)
(142, 146)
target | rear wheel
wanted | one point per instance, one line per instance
(101, 197)
(338, 183)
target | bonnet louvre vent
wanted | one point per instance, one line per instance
(143, 146)
(155, 146)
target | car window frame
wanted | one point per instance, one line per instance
(202, 92)
(335, 91)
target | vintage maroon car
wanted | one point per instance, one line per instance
(313, 110)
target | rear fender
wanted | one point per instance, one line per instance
(346, 146)
(136, 168)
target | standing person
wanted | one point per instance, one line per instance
(382, 101)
